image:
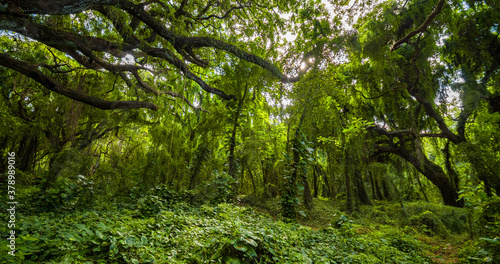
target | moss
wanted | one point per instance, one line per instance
(379, 217)
(430, 224)
(453, 218)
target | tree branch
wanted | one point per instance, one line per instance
(55, 7)
(226, 14)
(434, 135)
(172, 59)
(31, 71)
(174, 94)
(61, 40)
(14, 16)
(422, 27)
(181, 11)
(430, 111)
(182, 42)
(396, 133)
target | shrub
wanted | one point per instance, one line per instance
(219, 190)
(429, 223)
(149, 205)
(65, 194)
(157, 199)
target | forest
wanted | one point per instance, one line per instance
(250, 131)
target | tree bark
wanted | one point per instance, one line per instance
(385, 189)
(315, 180)
(232, 140)
(27, 152)
(253, 179)
(348, 187)
(377, 189)
(431, 171)
(32, 72)
(361, 193)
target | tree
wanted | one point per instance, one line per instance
(402, 76)
(141, 44)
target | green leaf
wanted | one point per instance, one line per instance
(130, 241)
(495, 241)
(100, 235)
(113, 249)
(251, 242)
(240, 247)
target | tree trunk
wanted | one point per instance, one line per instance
(386, 193)
(265, 177)
(253, 180)
(377, 189)
(430, 170)
(438, 177)
(232, 140)
(315, 182)
(27, 152)
(326, 187)
(449, 168)
(361, 193)
(308, 199)
(372, 182)
(331, 172)
(350, 202)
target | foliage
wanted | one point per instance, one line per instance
(429, 223)
(293, 187)
(179, 233)
(370, 107)
(219, 190)
(66, 194)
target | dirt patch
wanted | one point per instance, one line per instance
(440, 251)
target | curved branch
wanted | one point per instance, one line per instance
(59, 7)
(14, 16)
(172, 59)
(31, 71)
(146, 87)
(174, 94)
(164, 54)
(182, 42)
(396, 133)
(422, 27)
(208, 42)
(181, 11)
(430, 111)
(374, 97)
(61, 40)
(226, 14)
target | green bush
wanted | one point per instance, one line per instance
(157, 199)
(379, 217)
(490, 217)
(220, 190)
(65, 194)
(149, 205)
(429, 223)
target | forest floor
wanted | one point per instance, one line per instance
(165, 227)
(441, 242)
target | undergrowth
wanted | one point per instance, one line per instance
(163, 226)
